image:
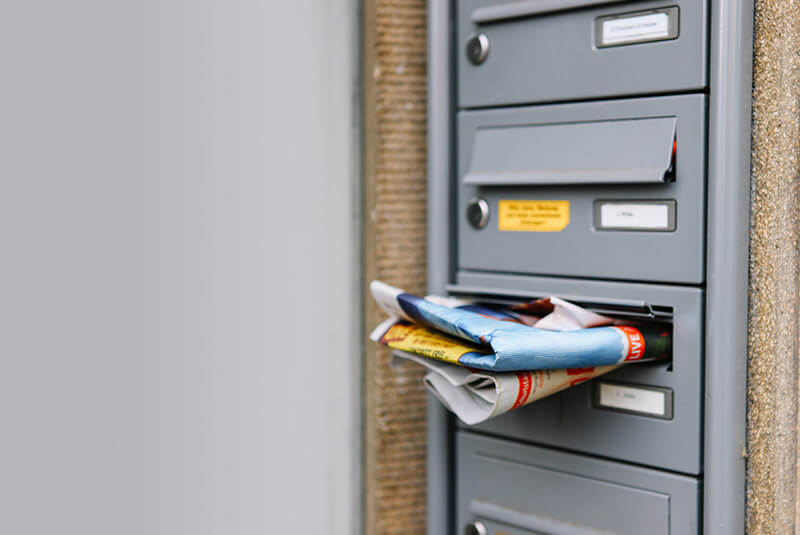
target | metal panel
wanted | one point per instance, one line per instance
(579, 250)
(632, 151)
(553, 57)
(728, 229)
(507, 485)
(674, 444)
(440, 454)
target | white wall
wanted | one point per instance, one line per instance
(177, 205)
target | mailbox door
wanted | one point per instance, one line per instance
(512, 488)
(542, 52)
(612, 190)
(660, 422)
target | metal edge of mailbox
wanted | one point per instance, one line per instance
(727, 265)
(440, 458)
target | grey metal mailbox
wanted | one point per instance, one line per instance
(542, 51)
(514, 488)
(574, 420)
(596, 150)
(644, 155)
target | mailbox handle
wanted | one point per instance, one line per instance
(532, 521)
(488, 14)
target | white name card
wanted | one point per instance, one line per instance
(633, 29)
(627, 398)
(635, 216)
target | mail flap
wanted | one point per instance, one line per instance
(526, 8)
(630, 151)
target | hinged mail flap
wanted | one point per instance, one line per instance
(630, 151)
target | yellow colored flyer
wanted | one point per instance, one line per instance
(423, 341)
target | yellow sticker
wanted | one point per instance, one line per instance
(417, 339)
(533, 216)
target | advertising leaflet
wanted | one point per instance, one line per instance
(475, 394)
(498, 340)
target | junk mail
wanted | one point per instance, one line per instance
(487, 360)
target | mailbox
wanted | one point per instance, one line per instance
(506, 487)
(663, 433)
(556, 50)
(598, 151)
(612, 190)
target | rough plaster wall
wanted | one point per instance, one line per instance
(772, 468)
(394, 242)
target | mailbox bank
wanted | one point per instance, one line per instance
(599, 151)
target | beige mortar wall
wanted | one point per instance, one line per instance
(394, 251)
(773, 506)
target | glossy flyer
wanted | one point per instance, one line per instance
(498, 340)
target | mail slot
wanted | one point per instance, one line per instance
(527, 51)
(649, 414)
(504, 488)
(612, 190)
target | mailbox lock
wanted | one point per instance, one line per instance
(478, 212)
(478, 48)
(476, 528)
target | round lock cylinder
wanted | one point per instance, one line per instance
(478, 48)
(478, 213)
(476, 528)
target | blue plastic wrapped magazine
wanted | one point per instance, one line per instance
(490, 342)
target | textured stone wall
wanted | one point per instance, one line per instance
(773, 504)
(394, 251)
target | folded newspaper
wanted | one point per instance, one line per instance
(475, 396)
(484, 361)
